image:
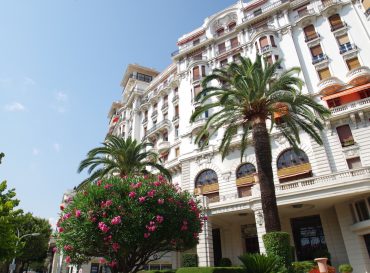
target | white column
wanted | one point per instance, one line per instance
(205, 245)
(261, 230)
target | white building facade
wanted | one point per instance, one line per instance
(323, 192)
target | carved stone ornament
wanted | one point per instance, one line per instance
(353, 151)
(224, 21)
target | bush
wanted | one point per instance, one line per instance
(302, 267)
(225, 262)
(162, 271)
(278, 244)
(345, 268)
(211, 270)
(259, 263)
(189, 260)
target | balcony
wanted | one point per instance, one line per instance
(141, 77)
(345, 109)
(346, 48)
(227, 49)
(266, 49)
(207, 188)
(197, 125)
(245, 180)
(253, 32)
(176, 119)
(319, 58)
(265, 10)
(161, 126)
(175, 99)
(339, 26)
(359, 76)
(145, 120)
(295, 170)
(304, 14)
(190, 45)
(329, 85)
(328, 3)
(154, 114)
(165, 107)
(163, 146)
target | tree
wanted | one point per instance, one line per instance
(119, 156)
(247, 96)
(35, 248)
(128, 222)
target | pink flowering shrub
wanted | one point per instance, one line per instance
(120, 218)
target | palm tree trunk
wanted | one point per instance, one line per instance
(262, 149)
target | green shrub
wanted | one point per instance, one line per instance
(345, 268)
(278, 244)
(225, 262)
(162, 271)
(189, 260)
(302, 267)
(210, 270)
(259, 263)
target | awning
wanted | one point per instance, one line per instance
(347, 92)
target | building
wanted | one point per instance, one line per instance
(323, 192)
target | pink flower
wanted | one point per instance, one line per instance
(78, 213)
(67, 215)
(151, 193)
(113, 263)
(146, 235)
(136, 186)
(108, 238)
(205, 217)
(55, 249)
(61, 207)
(160, 201)
(184, 227)
(108, 186)
(195, 235)
(157, 183)
(99, 183)
(103, 227)
(68, 247)
(108, 203)
(160, 177)
(115, 247)
(142, 199)
(102, 260)
(68, 259)
(116, 220)
(104, 214)
(159, 218)
(132, 194)
(61, 229)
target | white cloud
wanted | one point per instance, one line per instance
(14, 107)
(28, 81)
(56, 147)
(35, 151)
(61, 96)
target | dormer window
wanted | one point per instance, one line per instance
(231, 26)
(196, 41)
(220, 32)
(257, 12)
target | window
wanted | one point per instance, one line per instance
(165, 99)
(310, 33)
(302, 11)
(353, 63)
(206, 177)
(221, 48)
(263, 42)
(362, 210)
(196, 75)
(269, 60)
(272, 41)
(343, 39)
(220, 32)
(155, 105)
(335, 22)
(345, 135)
(146, 114)
(176, 131)
(234, 42)
(354, 163)
(203, 70)
(196, 41)
(236, 57)
(177, 152)
(257, 12)
(316, 51)
(145, 130)
(223, 62)
(324, 73)
(245, 169)
(231, 26)
(365, 93)
(334, 102)
(165, 136)
(176, 110)
(165, 115)
(197, 90)
(143, 77)
(291, 158)
(366, 5)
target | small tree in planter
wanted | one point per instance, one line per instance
(345, 268)
(128, 222)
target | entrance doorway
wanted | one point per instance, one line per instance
(217, 252)
(309, 237)
(251, 245)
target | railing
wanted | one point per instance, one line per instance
(304, 13)
(230, 47)
(350, 106)
(208, 188)
(264, 9)
(175, 98)
(143, 78)
(245, 180)
(338, 26)
(311, 37)
(329, 179)
(158, 126)
(294, 170)
(175, 118)
(346, 47)
(145, 120)
(359, 71)
(155, 113)
(328, 3)
(319, 58)
(266, 49)
(329, 82)
(165, 105)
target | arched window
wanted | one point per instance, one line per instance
(245, 170)
(291, 158)
(206, 177)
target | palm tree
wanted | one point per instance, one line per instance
(119, 156)
(248, 96)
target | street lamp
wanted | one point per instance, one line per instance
(12, 265)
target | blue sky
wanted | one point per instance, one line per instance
(61, 63)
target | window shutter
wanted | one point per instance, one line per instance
(366, 4)
(264, 42)
(221, 47)
(196, 73)
(309, 30)
(353, 63)
(197, 90)
(344, 133)
(335, 20)
(316, 50)
(203, 70)
(234, 42)
(269, 59)
(272, 41)
(324, 74)
(343, 39)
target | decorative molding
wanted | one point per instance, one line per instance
(224, 21)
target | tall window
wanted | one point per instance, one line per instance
(234, 42)
(231, 26)
(335, 22)
(177, 151)
(176, 110)
(324, 73)
(176, 131)
(196, 75)
(272, 41)
(223, 62)
(334, 103)
(197, 90)
(203, 70)
(354, 163)
(291, 158)
(220, 31)
(206, 177)
(264, 42)
(353, 63)
(310, 33)
(316, 51)
(221, 48)
(165, 136)
(344, 44)
(245, 170)
(345, 135)
(366, 5)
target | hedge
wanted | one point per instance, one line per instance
(278, 244)
(210, 270)
(189, 260)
